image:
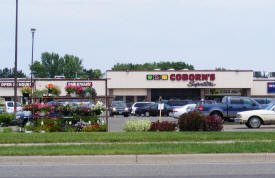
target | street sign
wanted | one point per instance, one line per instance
(161, 106)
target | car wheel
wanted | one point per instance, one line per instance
(147, 114)
(254, 122)
(247, 125)
(126, 115)
(218, 115)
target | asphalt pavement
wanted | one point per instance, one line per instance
(193, 165)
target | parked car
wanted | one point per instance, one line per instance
(140, 104)
(264, 101)
(119, 108)
(229, 107)
(177, 112)
(256, 118)
(179, 103)
(9, 107)
(153, 110)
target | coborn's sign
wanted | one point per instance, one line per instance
(198, 77)
(195, 80)
(184, 77)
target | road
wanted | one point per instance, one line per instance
(205, 169)
(116, 124)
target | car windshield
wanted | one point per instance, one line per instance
(119, 104)
(270, 106)
(10, 104)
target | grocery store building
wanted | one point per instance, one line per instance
(132, 86)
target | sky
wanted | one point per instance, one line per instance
(234, 34)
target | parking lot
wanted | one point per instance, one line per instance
(116, 124)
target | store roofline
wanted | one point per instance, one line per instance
(179, 71)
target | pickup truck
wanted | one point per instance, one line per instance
(230, 106)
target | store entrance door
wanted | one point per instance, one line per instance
(176, 94)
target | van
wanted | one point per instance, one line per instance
(9, 107)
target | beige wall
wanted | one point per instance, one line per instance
(137, 79)
(260, 88)
(130, 92)
(9, 91)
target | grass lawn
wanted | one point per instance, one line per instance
(111, 149)
(93, 137)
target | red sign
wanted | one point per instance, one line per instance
(193, 77)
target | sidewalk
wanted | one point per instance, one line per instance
(134, 143)
(140, 159)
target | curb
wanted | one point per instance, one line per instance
(140, 159)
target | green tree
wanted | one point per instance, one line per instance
(52, 64)
(93, 74)
(220, 68)
(72, 66)
(9, 73)
(155, 65)
(39, 70)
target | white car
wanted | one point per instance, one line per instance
(178, 111)
(140, 104)
(9, 107)
(256, 118)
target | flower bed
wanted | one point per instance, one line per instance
(65, 125)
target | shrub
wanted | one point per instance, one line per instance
(213, 123)
(192, 121)
(29, 126)
(51, 125)
(6, 119)
(136, 125)
(163, 126)
(103, 128)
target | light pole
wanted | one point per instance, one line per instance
(32, 30)
(15, 62)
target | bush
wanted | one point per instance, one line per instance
(194, 121)
(6, 119)
(163, 126)
(136, 125)
(213, 123)
(51, 125)
(103, 128)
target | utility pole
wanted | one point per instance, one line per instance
(15, 62)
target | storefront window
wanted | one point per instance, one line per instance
(141, 98)
(119, 98)
(130, 99)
